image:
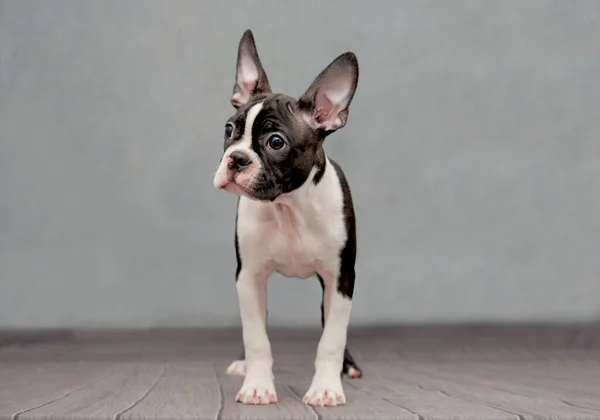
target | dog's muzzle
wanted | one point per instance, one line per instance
(236, 173)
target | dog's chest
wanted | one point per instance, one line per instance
(300, 245)
(297, 250)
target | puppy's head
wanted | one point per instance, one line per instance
(273, 141)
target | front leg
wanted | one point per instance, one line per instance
(258, 386)
(350, 367)
(238, 366)
(326, 387)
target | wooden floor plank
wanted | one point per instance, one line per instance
(527, 407)
(582, 378)
(123, 387)
(288, 406)
(518, 379)
(427, 405)
(186, 391)
(26, 387)
(360, 405)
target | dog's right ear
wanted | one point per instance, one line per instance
(250, 77)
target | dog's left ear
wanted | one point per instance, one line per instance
(325, 103)
(250, 77)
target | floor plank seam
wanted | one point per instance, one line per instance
(291, 391)
(20, 413)
(221, 408)
(578, 406)
(119, 415)
(419, 417)
(17, 415)
(517, 415)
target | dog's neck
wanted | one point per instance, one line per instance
(308, 201)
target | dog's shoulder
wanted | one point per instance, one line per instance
(344, 184)
(340, 173)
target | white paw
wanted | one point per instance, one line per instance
(257, 394)
(325, 393)
(352, 373)
(237, 368)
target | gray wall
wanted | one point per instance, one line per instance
(472, 149)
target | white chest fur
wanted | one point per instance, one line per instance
(298, 235)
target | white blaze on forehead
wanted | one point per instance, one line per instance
(248, 176)
(246, 143)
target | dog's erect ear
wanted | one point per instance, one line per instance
(250, 77)
(325, 103)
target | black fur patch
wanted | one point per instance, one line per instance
(348, 253)
(238, 257)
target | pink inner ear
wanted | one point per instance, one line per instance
(245, 92)
(249, 85)
(247, 74)
(330, 99)
(246, 79)
(323, 108)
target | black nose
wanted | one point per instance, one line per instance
(238, 160)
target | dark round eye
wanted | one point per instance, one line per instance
(228, 130)
(275, 143)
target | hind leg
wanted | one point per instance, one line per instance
(350, 367)
(238, 367)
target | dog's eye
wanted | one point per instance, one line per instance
(275, 143)
(228, 130)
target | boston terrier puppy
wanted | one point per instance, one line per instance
(294, 215)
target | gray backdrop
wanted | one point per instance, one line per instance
(472, 150)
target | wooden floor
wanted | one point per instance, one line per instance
(467, 372)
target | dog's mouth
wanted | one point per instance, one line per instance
(230, 184)
(255, 194)
(255, 190)
(237, 189)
